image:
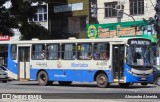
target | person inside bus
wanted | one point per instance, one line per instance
(74, 56)
(103, 55)
(42, 56)
(137, 56)
(95, 54)
(85, 56)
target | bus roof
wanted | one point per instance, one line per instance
(68, 41)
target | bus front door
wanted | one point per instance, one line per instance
(24, 62)
(118, 63)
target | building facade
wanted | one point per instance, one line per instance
(68, 18)
(138, 9)
(125, 18)
(41, 18)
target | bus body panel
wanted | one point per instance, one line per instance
(12, 66)
(69, 75)
(135, 78)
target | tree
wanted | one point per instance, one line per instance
(5, 26)
(34, 31)
(17, 17)
(22, 10)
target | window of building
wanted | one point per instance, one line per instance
(84, 51)
(109, 11)
(101, 51)
(3, 54)
(68, 51)
(53, 51)
(41, 14)
(136, 7)
(38, 52)
(13, 52)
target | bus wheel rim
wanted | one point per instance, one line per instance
(43, 78)
(102, 80)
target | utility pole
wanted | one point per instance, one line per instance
(93, 12)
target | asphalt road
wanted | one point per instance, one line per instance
(87, 91)
(33, 87)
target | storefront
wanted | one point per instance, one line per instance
(125, 29)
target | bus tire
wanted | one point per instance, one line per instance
(158, 81)
(124, 85)
(65, 83)
(144, 84)
(102, 80)
(43, 79)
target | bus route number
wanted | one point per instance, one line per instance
(101, 63)
(42, 64)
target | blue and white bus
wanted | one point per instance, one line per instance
(111, 60)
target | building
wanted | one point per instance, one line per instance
(41, 18)
(139, 9)
(125, 18)
(68, 18)
(41, 14)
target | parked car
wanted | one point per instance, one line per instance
(156, 75)
(3, 76)
(6, 70)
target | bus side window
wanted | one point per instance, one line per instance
(13, 52)
(38, 52)
(53, 51)
(68, 51)
(101, 51)
(84, 51)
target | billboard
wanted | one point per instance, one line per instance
(122, 29)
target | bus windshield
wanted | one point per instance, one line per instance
(139, 55)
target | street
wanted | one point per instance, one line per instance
(75, 87)
(79, 91)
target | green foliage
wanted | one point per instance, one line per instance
(33, 30)
(17, 15)
(5, 26)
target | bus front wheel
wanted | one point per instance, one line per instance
(102, 80)
(43, 79)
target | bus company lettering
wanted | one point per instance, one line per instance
(79, 65)
(42, 64)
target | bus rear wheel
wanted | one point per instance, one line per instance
(124, 85)
(102, 80)
(43, 79)
(65, 83)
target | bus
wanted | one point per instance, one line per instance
(104, 61)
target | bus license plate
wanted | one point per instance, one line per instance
(143, 78)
